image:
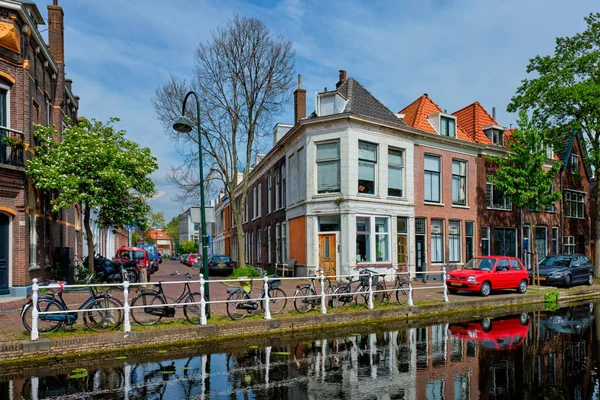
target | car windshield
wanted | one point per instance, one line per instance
(556, 261)
(220, 259)
(483, 264)
(139, 255)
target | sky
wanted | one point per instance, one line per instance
(118, 52)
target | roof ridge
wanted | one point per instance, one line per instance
(353, 84)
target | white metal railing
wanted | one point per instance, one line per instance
(126, 308)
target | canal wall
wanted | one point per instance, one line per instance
(288, 325)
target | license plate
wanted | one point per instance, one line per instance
(455, 284)
(541, 279)
(222, 265)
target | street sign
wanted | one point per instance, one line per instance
(129, 227)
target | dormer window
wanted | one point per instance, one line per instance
(328, 103)
(447, 126)
(495, 133)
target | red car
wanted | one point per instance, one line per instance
(138, 254)
(497, 334)
(484, 274)
(192, 258)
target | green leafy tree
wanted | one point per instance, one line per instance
(524, 175)
(172, 230)
(565, 95)
(189, 246)
(95, 166)
(156, 220)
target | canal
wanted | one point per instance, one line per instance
(541, 354)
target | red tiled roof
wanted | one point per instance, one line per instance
(158, 234)
(415, 115)
(472, 119)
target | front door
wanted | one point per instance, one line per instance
(327, 252)
(4, 223)
(402, 253)
(420, 253)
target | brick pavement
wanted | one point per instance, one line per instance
(11, 327)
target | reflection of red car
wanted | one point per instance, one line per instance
(498, 334)
(484, 274)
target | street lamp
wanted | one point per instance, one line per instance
(183, 125)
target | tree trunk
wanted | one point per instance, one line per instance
(597, 233)
(534, 255)
(239, 233)
(89, 238)
(520, 238)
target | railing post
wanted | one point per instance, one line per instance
(370, 291)
(266, 299)
(323, 297)
(126, 309)
(410, 290)
(202, 302)
(34, 313)
(445, 286)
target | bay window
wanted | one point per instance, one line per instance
(367, 165)
(328, 167)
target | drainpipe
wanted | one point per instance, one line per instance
(560, 210)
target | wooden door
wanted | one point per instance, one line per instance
(327, 254)
(402, 253)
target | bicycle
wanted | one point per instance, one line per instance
(96, 316)
(155, 298)
(344, 293)
(382, 294)
(240, 302)
(306, 298)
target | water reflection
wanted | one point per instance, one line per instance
(549, 353)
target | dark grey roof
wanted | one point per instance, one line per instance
(362, 102)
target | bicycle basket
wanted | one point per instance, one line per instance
(364, 277)
(274, 283)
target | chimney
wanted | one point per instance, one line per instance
(342, 78)
(56, 32)
(494, 113)
(68, 83)
(299, 101)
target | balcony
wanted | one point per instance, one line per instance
(12, 147)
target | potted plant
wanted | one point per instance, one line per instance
(12, 142)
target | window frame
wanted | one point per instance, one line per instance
(456, 236)
(258, 200)
(283, 185)
(438, 236)
(373, 235)
(429, 174)
(460, 178)
(337, 160)
(575, 201)
(445, 126)
(485, 237)
(506, 200)
(270, 194)
(400, 167)
(373, 163)
(574, 163)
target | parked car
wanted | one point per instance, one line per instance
(220, 264)
(191, 259)
(566, 270)
(173, 257)
(140, 255)
(152, 255)
(572, 320)
(484, 274)
(497, 334)
(182, 257)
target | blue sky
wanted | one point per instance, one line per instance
(119, 51)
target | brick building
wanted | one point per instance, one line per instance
(33, 90)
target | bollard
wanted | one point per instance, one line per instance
(266, 299)
(126, 309)
(34, 313)
(202, 302)
(323, 297)
(370, 291)
(410, 290)
(445, 286)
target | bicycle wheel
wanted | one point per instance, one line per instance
(379, 296)
(97, 318)
(147, 315)
(132, 276)
(361, 295)
(233, 304)
(400, 292)
(304, 300)
(44, 325)
(192, 311)
(341, 296)
(277, 301)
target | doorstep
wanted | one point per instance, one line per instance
(11, 303)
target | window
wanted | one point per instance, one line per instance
(447, 126)
(48, 112)
(395, 172)
(574, 204)
(270, 194)
(278, 243)
(328, 167)
(277, 178)
(575, 163)
(254, 203)
(469, 240)
(269, 253)
(462, 386)
(329, 223)
(505, 242)
(437, 241)
(551, 207)
(541, 241)
(495, 198)
(485, 240)
(283, 194)
(259, 200)
(258, 247)
(367, 249)
(35, 118)
(555, 240)
(459, 183)
(4, 107)
(284, 241)
(438, 345)
(246, 210)
(367, 164)
(569, 243)
(454, 236)
(496, 136)
(435, 389)
(432, 178)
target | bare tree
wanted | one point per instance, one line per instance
(243, 76)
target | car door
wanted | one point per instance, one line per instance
(502, 276)
(517, 272)
(576, 269)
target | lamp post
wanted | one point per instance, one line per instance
(184, 125)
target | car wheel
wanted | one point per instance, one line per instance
(524, 319)
(486, 324)
(485, 290)
(522, 288)
(568, 281)
(453, 291)
(590, 279)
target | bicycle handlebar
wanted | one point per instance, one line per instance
(187, 274)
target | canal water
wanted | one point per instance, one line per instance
(541, 354)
